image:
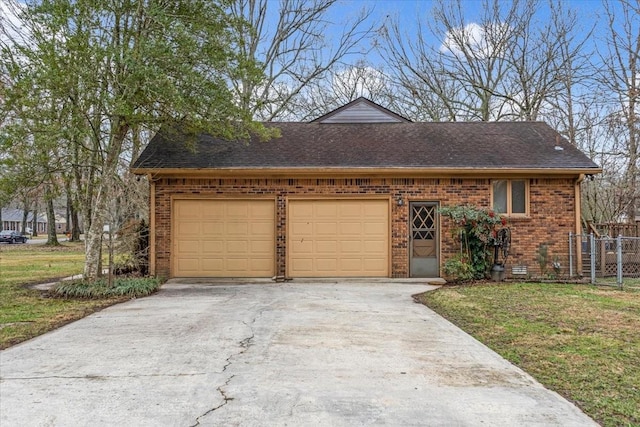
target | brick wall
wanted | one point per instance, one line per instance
(552, 210)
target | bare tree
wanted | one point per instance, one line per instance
(506, 66)
(343, 85)
(619, 75)
(295, 51)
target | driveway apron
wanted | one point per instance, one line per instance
(292, 354)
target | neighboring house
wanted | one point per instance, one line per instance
(12, 220)
(355, 192)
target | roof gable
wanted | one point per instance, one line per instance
(361, 110)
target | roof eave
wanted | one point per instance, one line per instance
(306, 172)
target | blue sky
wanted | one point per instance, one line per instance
(408, 12)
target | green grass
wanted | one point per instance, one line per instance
(579, 340)
(25, 312)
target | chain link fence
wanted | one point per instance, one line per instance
(605, 260)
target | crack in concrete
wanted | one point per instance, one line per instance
(98, 377)
(244, 343)
(225, 400)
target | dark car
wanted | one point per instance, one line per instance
(9, 236)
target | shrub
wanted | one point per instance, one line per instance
(459, 267)
(132, 287)
(475, 229)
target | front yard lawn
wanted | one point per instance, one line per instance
(25, 312)
(579, 340)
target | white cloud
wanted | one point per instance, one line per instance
(474, 39)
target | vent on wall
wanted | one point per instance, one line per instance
(519, 270)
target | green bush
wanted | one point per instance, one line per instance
(475, 229)
(459, 267)
(132, 287)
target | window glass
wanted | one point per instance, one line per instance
(500, 196)
(518, 197)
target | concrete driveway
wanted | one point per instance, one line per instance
(296, 354)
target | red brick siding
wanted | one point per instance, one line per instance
(552, 210)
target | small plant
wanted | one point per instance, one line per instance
(543, 258)
(459, 267)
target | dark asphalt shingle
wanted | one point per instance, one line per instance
(483, 145)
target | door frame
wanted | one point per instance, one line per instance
(435, 204)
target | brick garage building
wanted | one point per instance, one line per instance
(354, 193)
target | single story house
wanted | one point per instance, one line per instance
(354, 193)
(12, 220)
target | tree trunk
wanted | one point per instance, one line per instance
(94, 234)
(34, 222)
(75, 225)
(52, 239)
(93, 250)
(25, 216)
(67, 218)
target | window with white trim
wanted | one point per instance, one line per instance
(510, 196)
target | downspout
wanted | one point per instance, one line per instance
(578, 220)
(152, 225)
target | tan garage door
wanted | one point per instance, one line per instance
(338, 238)
(223, 238)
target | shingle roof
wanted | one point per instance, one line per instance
(476, 145)
(15, 215)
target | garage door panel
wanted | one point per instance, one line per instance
(351, 265)
(375, 265)
(351, 247)
(261, 211)
(189, 247)
(237, 229)
(300, 265)
(327, 265)
(211, 265)
(351, 228)
(351, 209)
(224, 238)
(325, 210)
(209, 211)
(326, 247)
(239, 209)
(237, 265)
(373, 246)
(375, 228)
(189, 264)
(258, 247)
(212, 228)
(189, 210)
(264, 228)
(302, 247)
(338, 238)
(188, 228)
(302, 228)
(325, 228)
(301, 210)
(258, 264)
(237, 248)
